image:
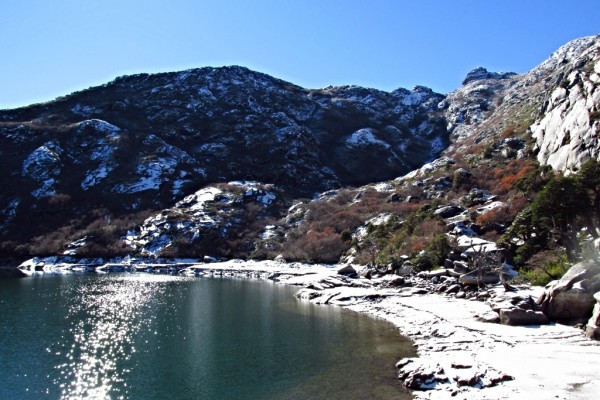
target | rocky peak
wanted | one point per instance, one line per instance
(567, 130)
(481, 73)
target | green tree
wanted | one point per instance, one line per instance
(589, 179)
(559, 204)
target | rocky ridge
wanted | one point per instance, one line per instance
(146, 141)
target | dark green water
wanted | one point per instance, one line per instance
(143, 336)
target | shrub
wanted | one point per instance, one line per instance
(325, 246)
(545, 267)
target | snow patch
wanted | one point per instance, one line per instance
(43, 165)
(101, 126)
(364, 137)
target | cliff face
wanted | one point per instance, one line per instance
(557, 102)
(567, 132)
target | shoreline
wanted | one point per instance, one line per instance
(459, 356)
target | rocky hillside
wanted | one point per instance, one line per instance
(146, 141)
(226, 162)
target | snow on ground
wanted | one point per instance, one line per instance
(547, 362)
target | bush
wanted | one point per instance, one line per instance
(326, 246)
(545, 267)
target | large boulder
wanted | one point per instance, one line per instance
(517, 317)
(347, 270)
(571, 299)
(592, 329)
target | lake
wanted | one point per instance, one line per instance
(152, 336)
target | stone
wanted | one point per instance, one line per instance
(571, 298)
(394, 198)
(519, 317)
(467, 378)
(347, 270)
(448, 211)
(489, 317)
(398, 281)
(366, 273)
(437, 272)
(454, 288)
(481, 73)
(405, 269)
(448, 279)
(592, 329)
(461, 267)
(417, 374)
(470, 278)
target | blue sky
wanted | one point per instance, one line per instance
(52, 48)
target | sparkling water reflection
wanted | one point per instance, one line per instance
(104, 318)
(144, 336)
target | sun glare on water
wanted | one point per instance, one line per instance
(102, 326)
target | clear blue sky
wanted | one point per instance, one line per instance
(53, 47)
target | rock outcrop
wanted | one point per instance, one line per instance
(592, 329)
(567, 133)
(571, 299)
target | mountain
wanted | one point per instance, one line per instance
(145, 141)
(227, 161)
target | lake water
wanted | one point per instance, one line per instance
(146, 336)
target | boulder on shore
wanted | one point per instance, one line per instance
(571, 299)
(518, 317)
(347, 270)
(592, 329)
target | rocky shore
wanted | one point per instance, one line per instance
(464, 352)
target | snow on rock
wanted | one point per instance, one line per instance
(480, 73)
(44, 166)
(83, 110)
(10, 212)
(469, 244)
(93, 177)
(151, 175)
(491, 206)
(427, 169)
(197, 200)
(270, 232)
(99, 148)
(365, 137)
(158, 167)
(567, 134)
(256, 190)
(211, 208)
(381, 219)
(99, 125)
(417, 96)
(383, 187)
